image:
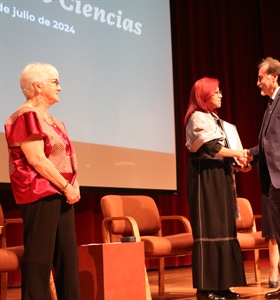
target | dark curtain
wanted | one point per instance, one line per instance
(225, 39)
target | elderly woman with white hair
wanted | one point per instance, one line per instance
(43, 171)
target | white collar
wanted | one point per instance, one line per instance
(275, 92)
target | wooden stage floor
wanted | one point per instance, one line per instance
(178, 284)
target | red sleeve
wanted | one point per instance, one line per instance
(22, 127)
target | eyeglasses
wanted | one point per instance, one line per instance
(219, 93)
(55, 81)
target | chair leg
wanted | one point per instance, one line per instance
(161, 276)
(3, 285)
(257, 265)
(52, 288)
(148, 291)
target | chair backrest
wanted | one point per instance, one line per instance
(246, 221)
(142, 208)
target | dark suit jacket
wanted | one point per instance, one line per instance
(268, 150)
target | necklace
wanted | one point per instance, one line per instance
(46, 117)
(49, 119)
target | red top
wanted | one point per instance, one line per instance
(27, 184)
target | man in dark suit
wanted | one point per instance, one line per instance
(267, 153)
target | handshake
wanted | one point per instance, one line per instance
(244, 160)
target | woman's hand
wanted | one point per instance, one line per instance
(72, 194)
(244, 159)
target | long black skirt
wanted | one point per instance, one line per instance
(217, 262)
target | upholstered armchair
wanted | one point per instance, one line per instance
(139, 216)
(250, 239)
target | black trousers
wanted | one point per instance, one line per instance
(49, 241)
(271, 214)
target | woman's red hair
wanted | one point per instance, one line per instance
(201, 93)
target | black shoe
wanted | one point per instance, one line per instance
(273, 295)
(228, 294)
(200, 294)
(273, 284)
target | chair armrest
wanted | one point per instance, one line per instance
(182, 219)
(257, 217)
(12, 221)
(1, 230)
(106, 230)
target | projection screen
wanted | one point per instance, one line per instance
(115, 64)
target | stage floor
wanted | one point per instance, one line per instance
(178, 284)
